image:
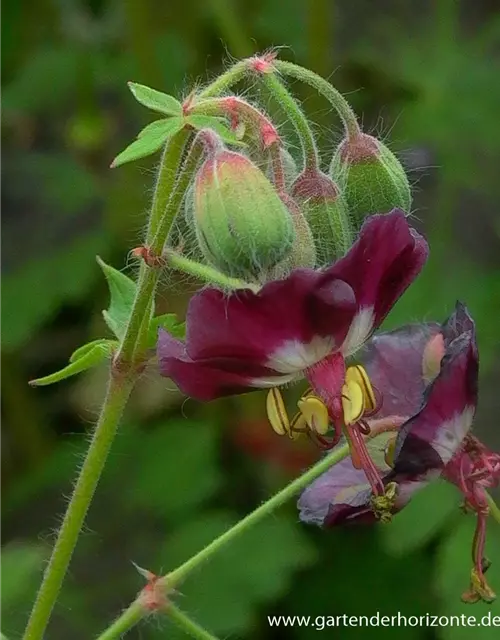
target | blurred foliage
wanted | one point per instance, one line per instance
(425, 78)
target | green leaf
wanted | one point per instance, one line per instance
(169, 322)
(409, 530)
(91, 357)
(148, 143)
(217, 124)
(168, 126)
(257, 567)
(453, 574)
(21, 566)
(122, 290)
(85, 348)
(155, 100)
(176, 469)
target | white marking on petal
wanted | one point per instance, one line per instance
(294, 356)
(450, 434)
(272, 381)
(359, 331)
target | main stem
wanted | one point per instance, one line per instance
(122, 378)
(119, 388)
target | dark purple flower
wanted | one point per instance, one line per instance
(430, 418)
(301, 326)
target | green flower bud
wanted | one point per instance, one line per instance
(326, 212)
(303, 253)
(242, 226)
(370, 176)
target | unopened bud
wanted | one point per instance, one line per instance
(371, 177)
(303, 252)
(325, 211)
(242, 226)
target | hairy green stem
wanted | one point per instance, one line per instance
(291, 108)
(179, 574)
(119, 388)
(167, 176)
(121, 381)
(233, 75)
(205, 272)
(192, 628)
(336, 99)
(131, 616)
(178, 191)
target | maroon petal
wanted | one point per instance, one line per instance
(251, 326)
(205, 379)
(259, 339)
(384, 261)
(393, 362)
(342, 494)
(430, 439)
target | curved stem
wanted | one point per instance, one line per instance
(119, 389)
(336, 99)
(189, 626)
(291, 108)
(233, 75)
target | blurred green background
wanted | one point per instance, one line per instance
(424, 75)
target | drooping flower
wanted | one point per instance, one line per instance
(427, 377)
(302, 326)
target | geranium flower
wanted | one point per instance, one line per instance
(302, 326)
(427, 377)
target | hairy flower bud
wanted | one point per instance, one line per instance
(326, 213)
(303, 253)
(371, 177)
(242, 226)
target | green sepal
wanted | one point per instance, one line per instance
(169, 322)
(92, 354)
(149, 140)
(155, 100)
(217, 124)
(122, 291)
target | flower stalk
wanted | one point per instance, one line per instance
(133, 614)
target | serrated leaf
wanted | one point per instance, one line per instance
(90, 358)
(212, 122)
(155, 100)
(122, 290)
(180, 455)
(148, 144)
(453, 573)
(255, 568)
(409, 530)
(169, 322)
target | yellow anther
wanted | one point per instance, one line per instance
(358, 375)
(276, 412)
(297, 426)
(389, 451)
(315, 414)
(353, 402)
